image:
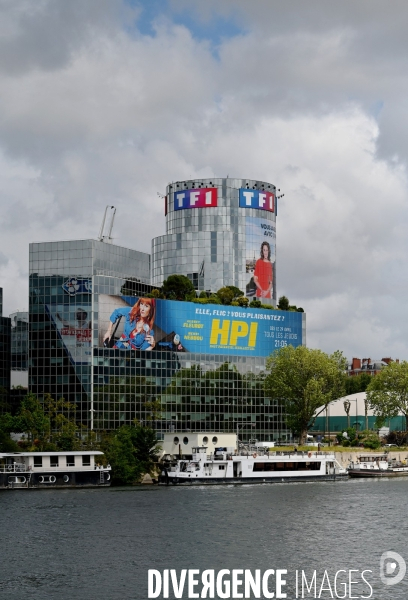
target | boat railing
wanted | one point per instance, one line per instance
(13, 468)
(22, 468)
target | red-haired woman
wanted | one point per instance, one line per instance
(137, 332)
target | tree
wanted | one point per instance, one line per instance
(303, 380)
(177, 287)
(144, 441)
(131, 452)
(255, 303)
(283, 303)
(119, 451)
(32, 420)
(387, 393)
(155, 293)
(357, 383)
(242, 301)
(236, 291)
(7, 426)
(225, 295)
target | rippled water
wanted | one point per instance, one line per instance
(99, 544)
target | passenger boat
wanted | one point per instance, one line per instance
(377, 465)
(50, 470)
(226, 466)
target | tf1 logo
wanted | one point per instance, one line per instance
(201, 198)
(257, 199)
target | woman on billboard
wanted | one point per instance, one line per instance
(137, 332)
(263, 273)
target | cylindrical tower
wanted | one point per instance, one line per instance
(220, 232)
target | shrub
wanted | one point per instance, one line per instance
(255, 303)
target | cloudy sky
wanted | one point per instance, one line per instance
(106, 101)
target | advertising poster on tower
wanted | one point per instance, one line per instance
(145, 324)
(74, 328)
(260, 259)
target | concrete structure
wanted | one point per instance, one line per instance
(183, 443)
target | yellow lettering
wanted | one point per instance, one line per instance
(238, 329)
(252, 334)
(216, 331)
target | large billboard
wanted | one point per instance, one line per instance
(144, 324)
(73, 323)
(260, 259)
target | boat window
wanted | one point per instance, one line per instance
(221, 467)
(286, 466)
(53, 461)
(205, 440)
(38, 461)
(70, 461)
(176, 440)
(185, 441)
(86, 461)
(214, 440)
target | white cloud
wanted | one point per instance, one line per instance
(112, 117)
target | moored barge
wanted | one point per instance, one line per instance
(378, 465)
(50, 470)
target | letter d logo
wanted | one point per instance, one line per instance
(389, 562)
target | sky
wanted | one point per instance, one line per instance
(104, 102)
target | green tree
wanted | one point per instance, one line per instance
(225, 295)
(155, 293)
(255, 303)
(7, 426)
(356, 383)
(304, 379)
(387, 392)
(283, 303)
(145, 441)
(119, 451)
(236, 291)
(32, 420)
(132, 452)
(63, 428)
(177, 287)
(242, 301)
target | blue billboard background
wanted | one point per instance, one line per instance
(209, 328)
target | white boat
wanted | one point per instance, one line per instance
(45, 470)
(377, 465)
(227, 466)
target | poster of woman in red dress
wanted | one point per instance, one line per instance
(263, 274)
(260, 260)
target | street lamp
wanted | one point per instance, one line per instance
(355, 400)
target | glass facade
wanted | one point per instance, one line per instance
(219, 245)
(5, 343)
(96, 340)
(19, 341)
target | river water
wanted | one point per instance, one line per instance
(99, 544)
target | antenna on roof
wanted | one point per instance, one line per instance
(107, 238)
